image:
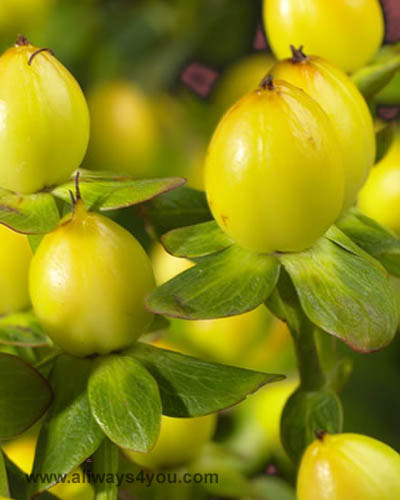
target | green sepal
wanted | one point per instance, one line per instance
(196, 241)
(305, 414)
(178, 208)
(29, 213)
(24, 396)
(22, 329)
(191, 387)
(227, 283)
(125, 401)
(69, 434)
(371, 79)
(108, 191)
(372, 237)
(345, 292)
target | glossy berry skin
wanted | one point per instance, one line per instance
(180, 442)
(380, 197)
(345, 106)
(349, 466)
(123, 132)
(44, 120)
(347, 33)
(15, 257)
(88, 281)
(273, 174)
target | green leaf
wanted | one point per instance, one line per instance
(371, 79)
(22, 329)
(69, 434)
(375, 239)
(34, 241)
(125, 401)
(305, 413)
(159, 323)
(24, 396)
(196, 241)
(178, 208)
(390, 95)
(4, 491)
(345, 294)
(106, 191)
(224, 284)
(29, 214)
(19, 484)
(17, 481)
(337, 236)
(384, 139)
(190, 387)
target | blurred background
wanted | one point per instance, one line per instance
(158, 75)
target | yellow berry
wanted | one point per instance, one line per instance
(180, 442)
(347, 33)
(88, 282)
(345, 106)
(274, 174)
(348, 466)
(15, 257)
(44, 120)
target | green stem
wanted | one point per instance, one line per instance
(105, 461)
(286, 305)
(312, 377)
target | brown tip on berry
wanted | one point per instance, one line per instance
(77, 188)
(21, 41)
(76, 197)
(45, 49)
(319, 434)
(267, 83)
(298, 55)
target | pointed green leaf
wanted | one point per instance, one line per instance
(371, 79)
(390, 95)
(125, 401)
(375, 239)
(24, 396)
(22, 329)
(224, 284)
(69, 434)
(384, 138)
(337, 236)
(345, 294)
(34, 241)
(159, 323)
(106, 191)
(190, 387)
(17, 481)
(196, 241)
(29, 214)
(178, 208)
